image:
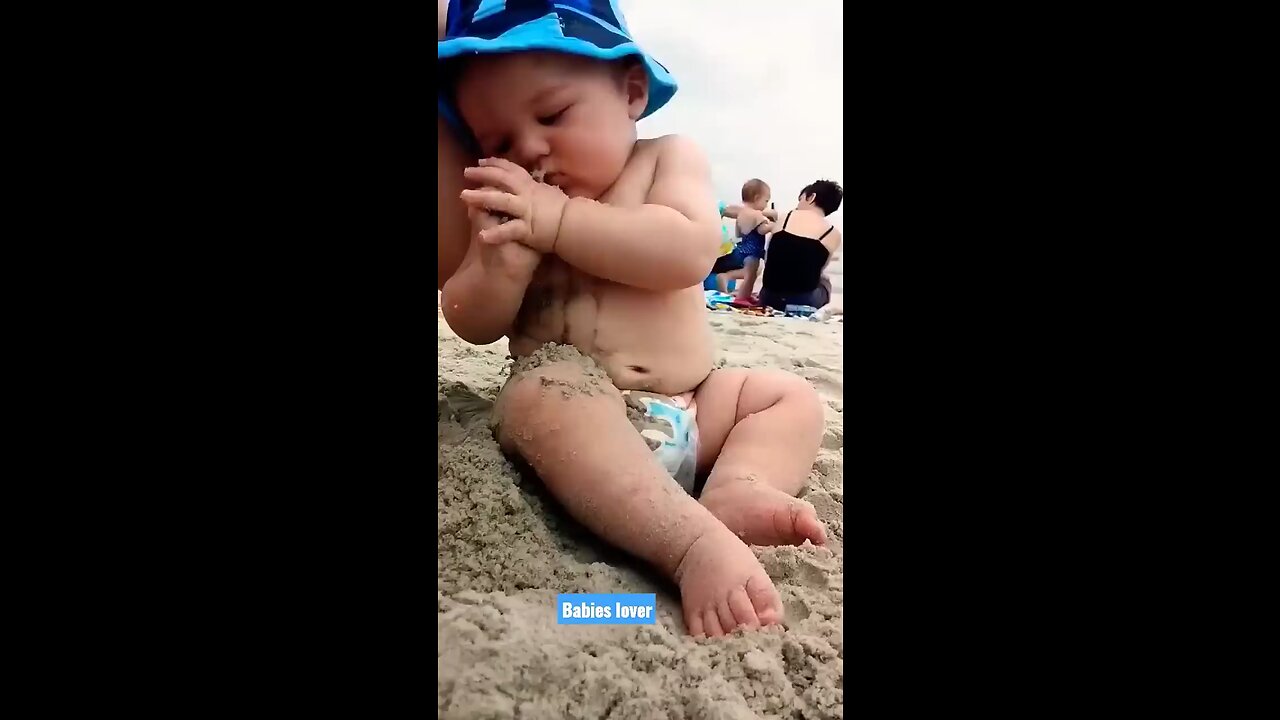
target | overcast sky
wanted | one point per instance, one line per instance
(761, 87)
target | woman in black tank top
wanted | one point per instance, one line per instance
(793, 270)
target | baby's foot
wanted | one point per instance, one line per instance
(764, 515)
(723, 586)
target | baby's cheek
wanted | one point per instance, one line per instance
(606, 161)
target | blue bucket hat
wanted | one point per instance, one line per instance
(590, 28)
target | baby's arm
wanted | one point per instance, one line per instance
(482, 298)
(733, 211)
(831, 255)
(751, 219)
(669, 243)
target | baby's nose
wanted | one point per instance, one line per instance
(530, 151)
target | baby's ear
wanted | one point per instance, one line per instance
(635, 85)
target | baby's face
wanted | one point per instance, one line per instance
(572, 118)
(761, 201)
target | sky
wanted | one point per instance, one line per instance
(761, 88)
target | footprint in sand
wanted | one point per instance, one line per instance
(805, 565)
(796, 609)
(823, 504)
(464, 403)
(833, 438)
(826, 463)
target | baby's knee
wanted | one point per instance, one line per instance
(542, 396)
(527, 390)
(791, 389)
(781, 382)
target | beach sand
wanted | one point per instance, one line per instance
(507, 549)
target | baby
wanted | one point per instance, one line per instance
(754, 223)
(741, 261)
(594, 275)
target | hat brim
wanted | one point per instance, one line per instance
(544, 34)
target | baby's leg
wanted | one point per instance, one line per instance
(722, 280)
(568, 421)
(750, 267)
(758, 434)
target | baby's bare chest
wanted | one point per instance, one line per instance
(562, 304)
(632, 187)
(565, 305)
(643, 339)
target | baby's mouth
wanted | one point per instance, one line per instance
(549, 178)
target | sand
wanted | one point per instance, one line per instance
(507, 549)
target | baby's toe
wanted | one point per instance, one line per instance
(711, 622)
(743, 611)
(765, 599)
(807, 525)
(694, 621)
(727, 621)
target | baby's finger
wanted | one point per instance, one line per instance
(492, 176)
(484, 220)
(496, 201)
(510, 231)
(505, 165)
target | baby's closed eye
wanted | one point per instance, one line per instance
(550, 119)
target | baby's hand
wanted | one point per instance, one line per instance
(497, 255)
(535, 208)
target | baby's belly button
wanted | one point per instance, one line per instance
(638, 371)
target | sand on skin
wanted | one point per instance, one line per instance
(507, 549)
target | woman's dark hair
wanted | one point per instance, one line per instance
(829, 195)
